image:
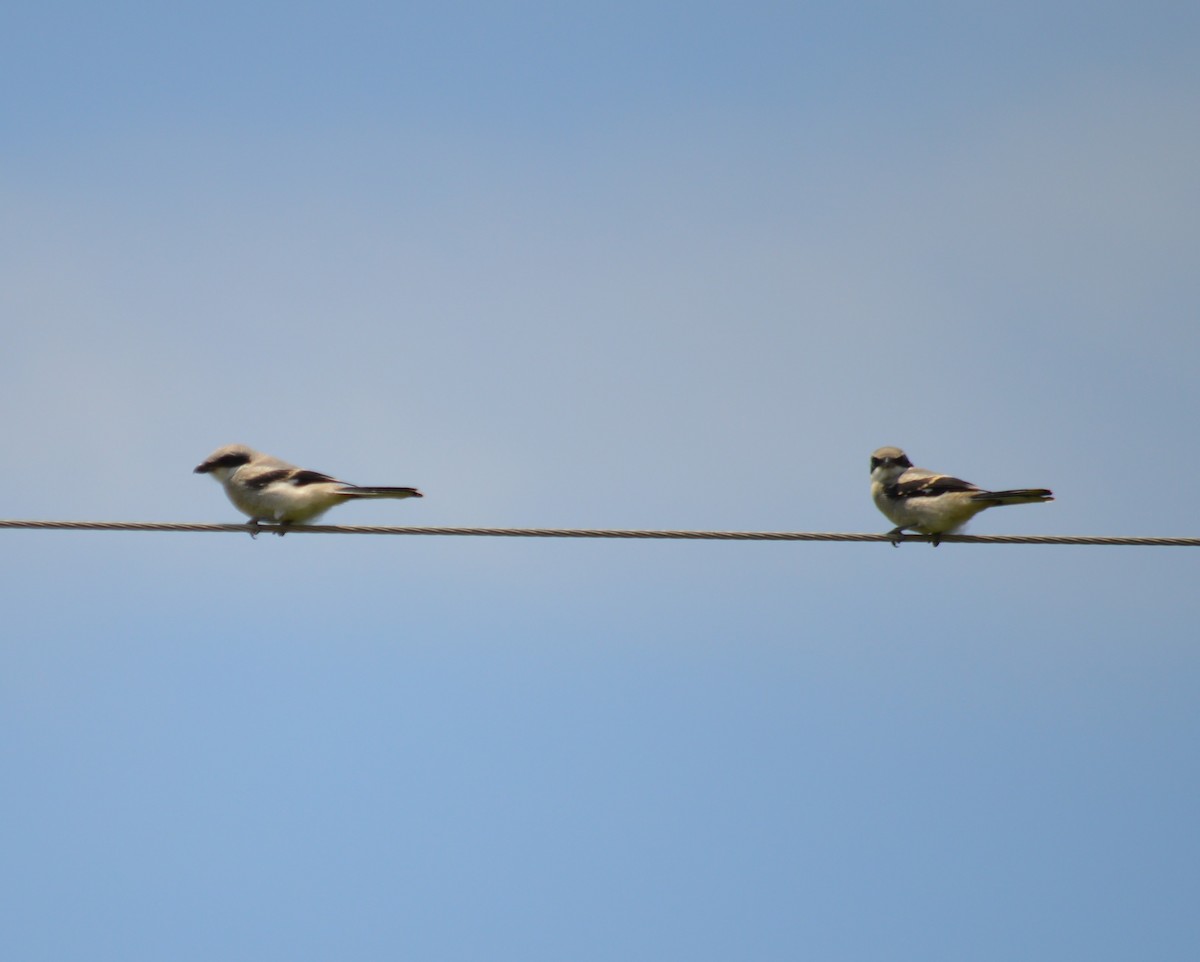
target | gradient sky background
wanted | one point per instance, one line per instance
(618, 265)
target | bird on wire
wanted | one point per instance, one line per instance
(265, 488)
(932, 503)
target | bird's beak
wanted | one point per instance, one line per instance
(201, 468)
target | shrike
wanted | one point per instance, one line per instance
(267, 489)
(932, 503)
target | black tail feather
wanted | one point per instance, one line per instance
(355, 491)
(1016, 496)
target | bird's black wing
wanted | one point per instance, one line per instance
(294, 476)
(929, 487)
(301, 478)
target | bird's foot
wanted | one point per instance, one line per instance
(894, 536)
(256, 527)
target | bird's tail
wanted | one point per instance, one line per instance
(354, 491)
(1016, 496)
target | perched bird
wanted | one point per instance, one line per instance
(932, 503)
(267, 489)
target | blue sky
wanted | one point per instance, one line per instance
(637, 265)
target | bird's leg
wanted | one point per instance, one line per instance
(935, 539)
(252, 524)
(281, 528)
(894, 536)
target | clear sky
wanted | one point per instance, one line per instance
(599, 265)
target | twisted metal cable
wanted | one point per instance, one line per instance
(596, 533)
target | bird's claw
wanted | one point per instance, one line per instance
(896, 535)
(255, 527)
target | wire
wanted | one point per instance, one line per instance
(594, 533)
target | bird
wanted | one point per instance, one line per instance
(265, 488)
(932, 503)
